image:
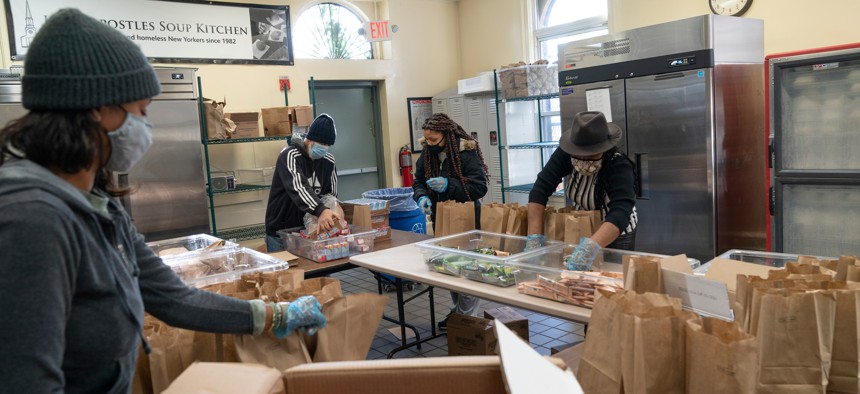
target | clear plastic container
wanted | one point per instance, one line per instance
(188, 244)
(360, 240)
(544, 272)
(375, 205)
(770, 259)
(224, 265)
(256, 176)
(528, 81)
(399, 198)
(456, 255)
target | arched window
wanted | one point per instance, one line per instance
(559, 22)
(330, 31)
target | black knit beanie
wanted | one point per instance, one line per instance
(322, 130)
(76, 62)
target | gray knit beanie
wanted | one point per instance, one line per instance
(76, 62)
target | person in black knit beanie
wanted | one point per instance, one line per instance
(75, 275)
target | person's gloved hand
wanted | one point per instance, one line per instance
(305, 312)
(584, 255)
(426, 205)
(438, 184)
(534, 241)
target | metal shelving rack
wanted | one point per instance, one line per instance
(239, 233)
(540, 144)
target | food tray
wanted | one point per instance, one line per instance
(453, 255)
(360, 240)
(544, 273)
(190, 243)
(770, 259)
(224, 265)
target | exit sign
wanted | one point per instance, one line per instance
(378, 31)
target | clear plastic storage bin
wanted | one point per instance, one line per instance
(360, 240)
(770, 259)
(187, 244)
(256, 176)
(544, 274)
(224, 265)
(528, 81)
(457, 255)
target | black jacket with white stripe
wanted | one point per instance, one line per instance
(297, 185)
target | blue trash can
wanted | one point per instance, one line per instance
(405, 214)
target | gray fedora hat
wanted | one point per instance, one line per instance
(589, 135)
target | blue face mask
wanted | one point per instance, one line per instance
(129, 143)
(318, 151)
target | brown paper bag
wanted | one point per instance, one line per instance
(642, 274)
(439, 226)
(845, 368)
(141, 383)
(515, 221)
(721, 358)
(270, 351)
(351, 324)
(323, 289)
(842, 266)
(853, 273)
(600, 365)
(576, 227)
(170, 355)
(653, 342)
(795, 332)
(494, 218)
(218, 126)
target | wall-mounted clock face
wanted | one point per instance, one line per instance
(729, 7)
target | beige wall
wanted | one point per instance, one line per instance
(422, 59)
(493, 33)
(789, 25)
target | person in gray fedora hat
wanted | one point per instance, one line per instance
(597, 176)
(75, 275)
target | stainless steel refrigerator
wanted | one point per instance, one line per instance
(689, 97)
(169, 192)
(814, 126)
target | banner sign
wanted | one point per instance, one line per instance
(172, 31)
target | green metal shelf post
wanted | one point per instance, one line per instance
(499, 131)
(204, 136)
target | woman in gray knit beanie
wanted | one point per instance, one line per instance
(75, 275)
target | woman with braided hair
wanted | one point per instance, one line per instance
(451, 167)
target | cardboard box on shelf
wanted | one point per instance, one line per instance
(247, 124)
(510, 318)
(361, 215)
(470, 336)
(277, 121)
(303, 115)
(216, 378)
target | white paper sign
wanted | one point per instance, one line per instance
(697, 294)
(598, 100)
(172, 31)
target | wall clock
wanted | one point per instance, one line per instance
(729, 7)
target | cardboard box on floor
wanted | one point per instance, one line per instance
(470, 336)
(228, 378)
(510, 318)
(247, 124)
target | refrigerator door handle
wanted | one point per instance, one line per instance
(771, 206)
(663, 77)
(642, 176)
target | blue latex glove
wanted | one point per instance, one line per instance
(534, 241)
(584, 255)
(426, 205)
(305, 312)
(438, 184)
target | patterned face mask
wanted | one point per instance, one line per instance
(586, 167)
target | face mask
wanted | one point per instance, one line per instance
(318, 151)
(435, 149)
(586, 167)
(129, 143)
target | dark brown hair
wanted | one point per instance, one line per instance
(68, 141)
(452, 133)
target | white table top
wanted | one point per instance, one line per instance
(407, 262)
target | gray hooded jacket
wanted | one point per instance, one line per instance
(74, 284)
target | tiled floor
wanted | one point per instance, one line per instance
(544, 331)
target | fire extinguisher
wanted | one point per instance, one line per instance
(406, 166)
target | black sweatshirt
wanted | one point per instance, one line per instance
(297, 185)
(472, 170)
(614, 180)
